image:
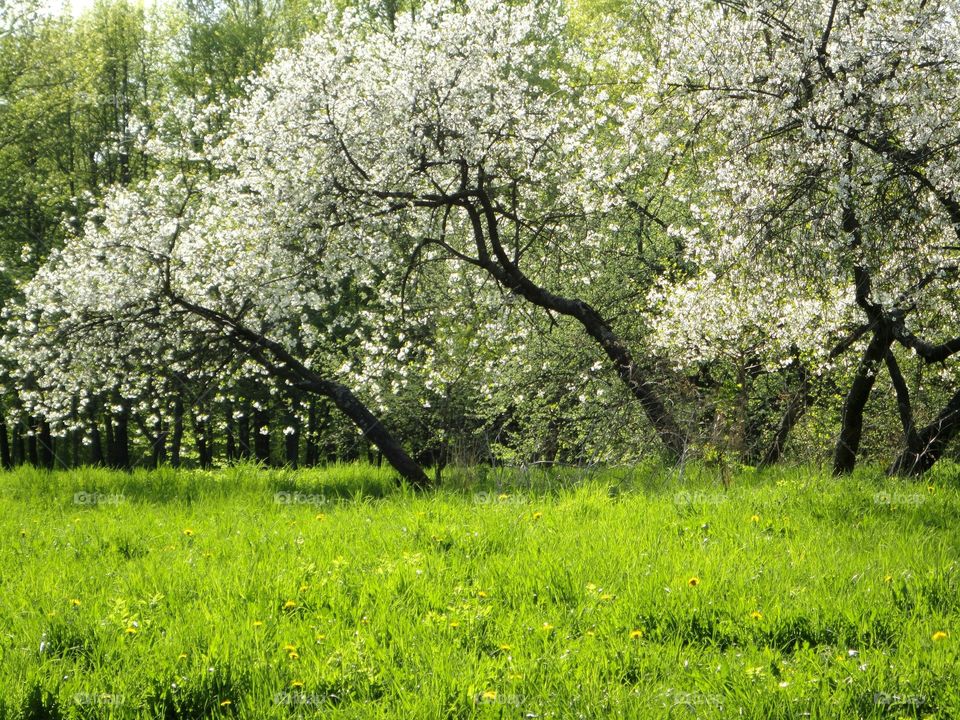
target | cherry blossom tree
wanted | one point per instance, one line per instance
(832, 205)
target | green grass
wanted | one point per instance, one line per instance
(505, 595)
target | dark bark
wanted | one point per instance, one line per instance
(32, 456)
(798, 404)
(261, 434)
(19, 450)
(243, 432)
(281, 364)
(96, 441)
(45, 446)
(176, 438)
(291, 435)
(926, 446)
(311, 452)
(5, 458)
(201, 440)
(502, 268)
(851, 421)
(120, 458)
(230, 445)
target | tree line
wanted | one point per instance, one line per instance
(481, 232)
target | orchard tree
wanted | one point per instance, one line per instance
(833, 187)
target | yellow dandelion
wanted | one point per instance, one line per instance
(591, 587)
(75, 602)
(289, 647)
(258, 623)
(756, 615)
(321, 638)
(505, 647)
(296, 684)
(503, 496)
(931, 489)
(225, 703)
(188, 532)
(320, 516)
(636, 634)
(606, 597)
(537, 515)
(304, 588)
(694, 581)
(23, 533)
(488, 695)
(293, 656)
(131, 630)
(290, 605)
(547, 627)
(940, 635)
(182, 656)
(754, 519)
(888, 578)
(481, 594)
(590, 633)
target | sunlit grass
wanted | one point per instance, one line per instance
(616, 593)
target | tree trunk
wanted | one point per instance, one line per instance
(261, 434)
(243, 432)
(46, 446)
(32, 456)
(5, 459)
(230, 448)
(312, 451)
(851, 423)
(176, 439)
(291, 435)
(927, 445)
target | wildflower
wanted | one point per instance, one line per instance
(488, 695)
(289, 648)
(636, 634)
(297, 684)
(290, 605)
(304, 588)
(940, 635)
(694, 581)
(321, 516)
(75, 602)
(547, 627)
(182, 656)
(754, 519)
(131, 630)
(888, 578)
(454, 624)
(537, 515)
(505, 647)
(755, 672)
(591, 587)
(481, 594)
(225, 703)
(502, 496)
(258, 623)
(293, 656)
(590, 633)
(606, 597)
(321, 638)
(188, 532)
(756, 615)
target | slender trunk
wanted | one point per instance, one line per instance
(176, 439)
(851, 422)
(231, 447)
(96, 442)
(32, 456)
(46, 446)
(19, 451)
(796, 407)
(261, 433)
(121, 437)
(243, 432)
(291, 435)
(5, 459)
(312, 451)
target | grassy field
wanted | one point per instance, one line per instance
(619, 594)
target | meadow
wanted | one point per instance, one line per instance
(616, 593)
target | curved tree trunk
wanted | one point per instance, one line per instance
(851, 424)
